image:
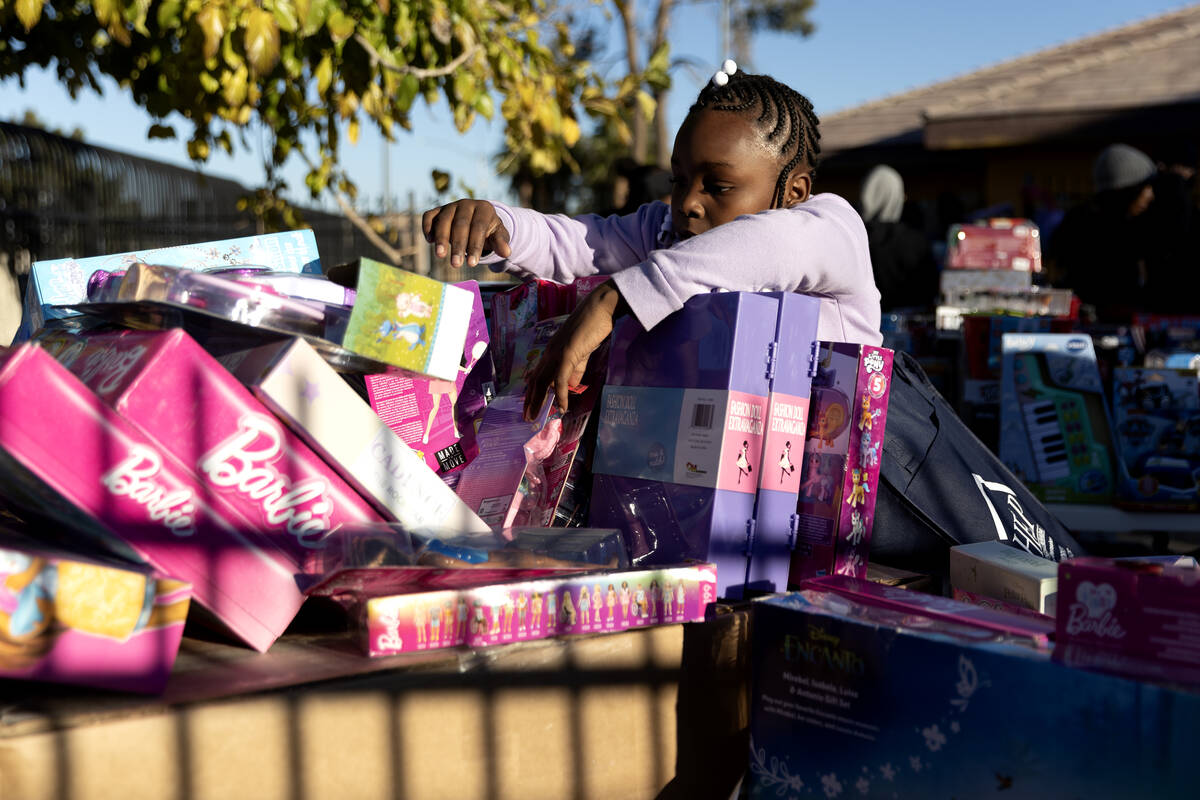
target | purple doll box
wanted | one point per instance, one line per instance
(422, 411)
(597, 602)
(66, 618)
(182, 398)
(842, 451)
(791, 367)
(133, 499)
(680, 440)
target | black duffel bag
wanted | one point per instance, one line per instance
(940, 486)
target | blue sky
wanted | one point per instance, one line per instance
(862, 50)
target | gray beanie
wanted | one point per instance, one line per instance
(1120, 166)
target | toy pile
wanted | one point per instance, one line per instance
(211, 434)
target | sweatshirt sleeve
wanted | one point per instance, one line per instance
(560, 248)
(817, 247)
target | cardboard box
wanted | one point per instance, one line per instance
(183, 399)
(408, 320)
(423, 412)
(679, 449)
(1156, 418)
(64, 281)
(68, 618)
(1011, 578)
(1000, 243)
(842, 451)
(1055, 432)
(292, 380)
(106, 481)
(855, 701)
(513, 612)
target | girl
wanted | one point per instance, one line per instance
(741, 218)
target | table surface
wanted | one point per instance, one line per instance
(1110, 519)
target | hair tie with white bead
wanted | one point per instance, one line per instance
(727, 71)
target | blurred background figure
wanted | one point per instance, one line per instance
(638, 184)
(901, 257)
(1126, 249)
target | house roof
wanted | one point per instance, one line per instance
(1154, 62)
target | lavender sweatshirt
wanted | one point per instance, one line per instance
(818, 247)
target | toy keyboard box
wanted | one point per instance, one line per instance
(1156, 414)
(64, 281)
(854, 701)
(68, 618)
(69, 457)
(840, 463)
(1001, 576)
(182, 398)
(407, 320)
(1054, 429)
(299, 387)
(597, 602)
(424, 412)
(682, 422)
(1000, 243)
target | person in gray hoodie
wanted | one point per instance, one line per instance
(901, 258)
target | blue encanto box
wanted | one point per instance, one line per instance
(851, 700)
(682, 427)
(64, 281)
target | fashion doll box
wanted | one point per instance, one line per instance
(843, 447)
(594, 602)
(70, 618)
(298, 386)
(64, 281)
(182, 398)
(426, 413)
(1141, 613)
(853, 700)
(1054, 426)
(1156, 416)
(70, 459)
(998, 575)
(407, 320)
(680, 442)
(521, 471)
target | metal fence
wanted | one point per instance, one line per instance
(60, 197)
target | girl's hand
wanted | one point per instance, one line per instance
(465, 230)
(565, 358)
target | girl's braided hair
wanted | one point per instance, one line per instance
(784, 116)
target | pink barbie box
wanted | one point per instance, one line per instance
(59, 442)
(596, 602)
(292, 380)
(67, 618)
(181, 397)
(1141, 608)
(422, 411)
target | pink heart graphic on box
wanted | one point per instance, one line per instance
(1096, 598)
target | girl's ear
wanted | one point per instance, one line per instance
(799, 187)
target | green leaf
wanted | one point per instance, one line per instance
(441, 180)
(168, 13)
(29, 12)
(352, 131)
(212, 25)
(209, 83)
(285, 15)
(324, 74)
(160, 132)
(409, 87)
(341, 27)
(262, 41)
(485, 106)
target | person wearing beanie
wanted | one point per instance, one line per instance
(1108, 249)
(901, 258)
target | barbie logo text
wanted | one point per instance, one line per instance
(244, 462)
(1092, 612)
(112, 364)
(133, 478)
